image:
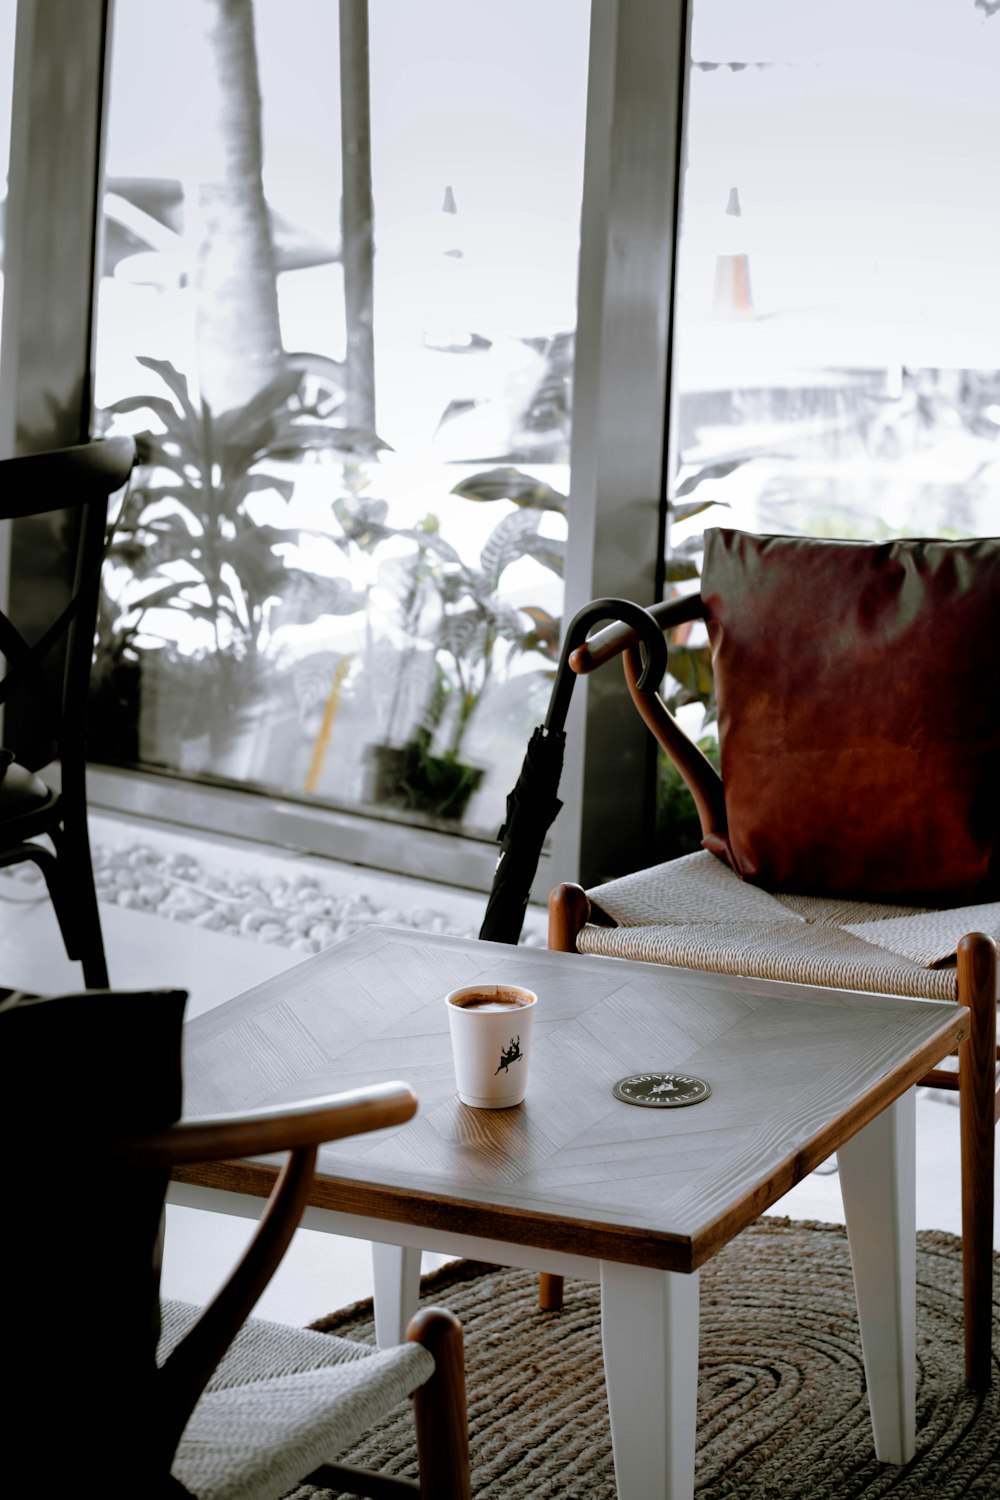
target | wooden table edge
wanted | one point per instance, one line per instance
(708, 1240)
(592, 1239)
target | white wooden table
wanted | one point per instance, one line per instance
(575, 1181)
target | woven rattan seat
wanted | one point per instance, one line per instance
(891, 950)
(283, 1401)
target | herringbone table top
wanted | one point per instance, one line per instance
(794, 1071)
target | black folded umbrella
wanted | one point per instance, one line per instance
(532, 807)
(532, 804)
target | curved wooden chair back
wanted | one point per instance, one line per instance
(90, 1112)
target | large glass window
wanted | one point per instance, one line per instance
(837, 340)
(338, 299)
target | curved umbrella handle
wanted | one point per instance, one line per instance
(641, 621)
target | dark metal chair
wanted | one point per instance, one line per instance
(60, 498)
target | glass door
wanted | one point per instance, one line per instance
(337, 304)
(836, 361)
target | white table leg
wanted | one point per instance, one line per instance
(649, 1324)
(397, 1291)
(878, 1180)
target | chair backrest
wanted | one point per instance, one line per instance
(80, 1250)
(859, 714)
(58, 502)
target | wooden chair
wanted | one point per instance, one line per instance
(61, 499)
(161, 1398)
(853, 839)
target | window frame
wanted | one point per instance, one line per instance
(632, 182)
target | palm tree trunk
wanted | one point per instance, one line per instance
(238, 331)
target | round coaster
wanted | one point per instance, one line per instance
(661, 1090)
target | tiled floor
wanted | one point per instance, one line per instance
(322, 1272)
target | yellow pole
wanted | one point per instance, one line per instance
(326, 727)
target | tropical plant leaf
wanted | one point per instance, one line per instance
(252, 420)
(158, 405)
(258, 575)
(186, 497)
(680, 569)
(461, 633)
(364, 522)
(709, 471)
(507, 543)
(508, 483)
(156, 598)
(165, 451)
(199, 611)
(691, 668)
(507, 622)
(255, 483)
(253, 546)
(213, 465)
(547, 550)
(691, 546)
(432, 541)
(680, 513)
(175, 382)
(306, 596)
(457, 408)
(545, 634)
(240, 453)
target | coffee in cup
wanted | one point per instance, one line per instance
(490, 1027)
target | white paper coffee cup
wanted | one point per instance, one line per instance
(490, 1027)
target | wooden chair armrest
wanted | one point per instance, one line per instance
(283, 1127)
(620, 639)
(614, 639)
(298, 1128)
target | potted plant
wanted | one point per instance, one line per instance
(454, 626)
(190, 542)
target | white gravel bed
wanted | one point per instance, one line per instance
(296, 910)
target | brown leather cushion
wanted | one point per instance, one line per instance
(859, 714)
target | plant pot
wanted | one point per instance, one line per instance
(113, 713)
(206, 716)
(408, 777)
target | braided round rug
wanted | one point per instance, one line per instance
(782, 1409)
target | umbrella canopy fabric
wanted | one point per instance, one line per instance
(533, 804)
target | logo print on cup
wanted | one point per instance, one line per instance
(510, 1055)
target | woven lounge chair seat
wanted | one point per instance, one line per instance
(696, 913)
(283, 1402)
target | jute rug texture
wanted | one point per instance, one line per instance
(782, 1408)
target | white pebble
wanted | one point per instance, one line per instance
(209, 920)
(323, 933)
